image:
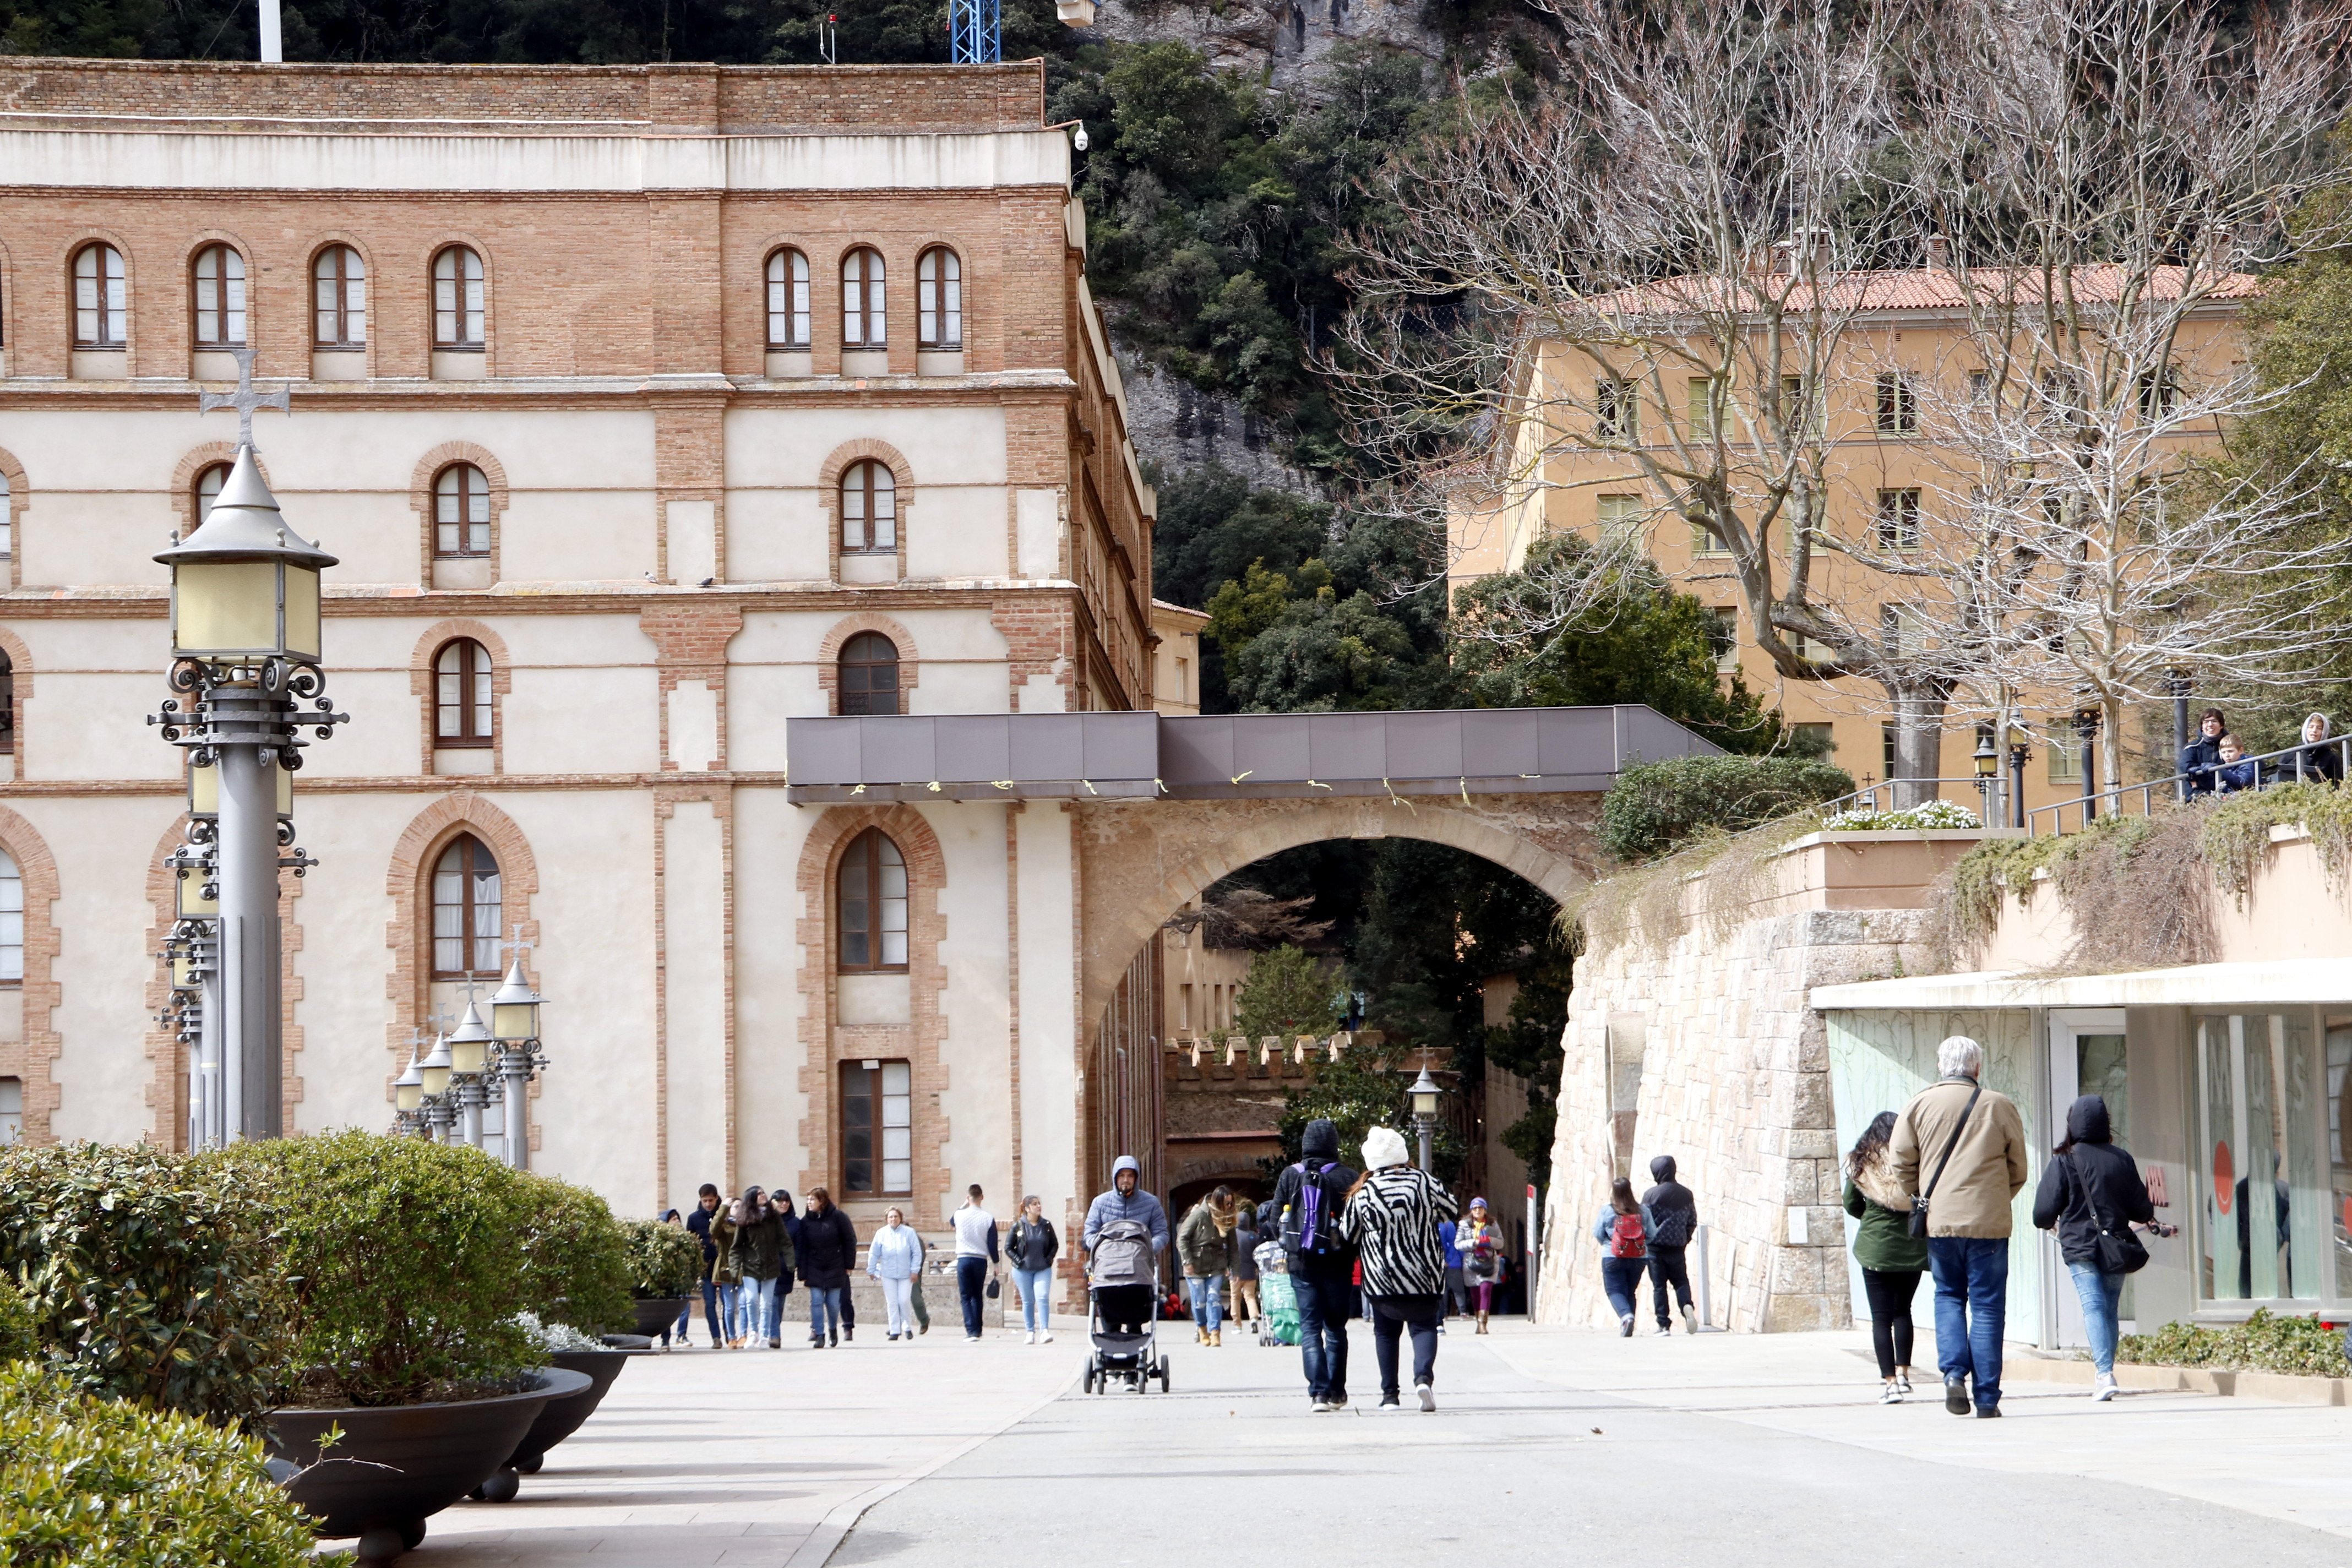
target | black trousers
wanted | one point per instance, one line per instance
(1666, 1267)
(1392, 1315)
(1125, 1308)
(1890, 1292)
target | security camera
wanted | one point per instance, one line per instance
(1078, 139)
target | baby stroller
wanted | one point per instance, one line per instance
(1124, 1259)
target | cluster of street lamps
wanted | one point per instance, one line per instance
(446, 1093)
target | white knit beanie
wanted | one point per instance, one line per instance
(1383, 1147)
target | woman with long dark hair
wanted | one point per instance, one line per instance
(1892, 1259)
(1623, 1232)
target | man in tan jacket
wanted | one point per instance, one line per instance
(1969, 1199)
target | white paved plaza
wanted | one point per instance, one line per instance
(1771, 1446)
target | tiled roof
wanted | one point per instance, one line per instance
(1907, 289)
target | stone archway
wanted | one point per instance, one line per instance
(1140, 860)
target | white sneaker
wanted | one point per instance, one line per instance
(2104, 1389)
(1045, 1336)
(1428, 1398)
(1031, 1339)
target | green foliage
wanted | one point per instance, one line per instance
(1213, 525)
(1286, 992)
(407, 1262)
(576, 1256)
(149, 1276)
(20, 1331)
(2263, 1343)
(1936, 815)
(88, 1480)
(1653, 806)
(1516, 646)
(665, 1260)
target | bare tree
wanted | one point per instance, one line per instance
(1248, 917)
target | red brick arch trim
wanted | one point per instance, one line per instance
(20, 501)
(375, 318)
(425, 256)
(826, 1043)
(427, 471)
(420, 683)
(20, 668)
(828, 492)
(408, 878)
(828, 653)
(33, 1059)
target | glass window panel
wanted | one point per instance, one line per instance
(2221, 1257)
(2300, 1190)
(897, 1144)
(896, 1078)
(898, 1176)
(2339, 1146)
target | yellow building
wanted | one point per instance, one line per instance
(1900, 375)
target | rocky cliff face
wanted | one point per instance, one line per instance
(1176, 426)
(1285, 40)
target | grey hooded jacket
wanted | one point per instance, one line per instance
(1138, 1206)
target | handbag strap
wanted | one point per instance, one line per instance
(1952, 1143)
(2089, 1202)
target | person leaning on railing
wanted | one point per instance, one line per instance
(2320, 757)
(2201, 755)
(2237, 772)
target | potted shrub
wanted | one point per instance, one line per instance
(665, 1264)
(410, 1379)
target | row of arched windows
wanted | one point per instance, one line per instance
(461, 507)
(865, 300)
(218, 314)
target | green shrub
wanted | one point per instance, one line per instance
(407, 1262)
(150, 1276)
(2263, 1343)
(1652, 807)
(86, 1480)
(665, 1260)
(1286, 993)
(20, 1332)
(575, 1256)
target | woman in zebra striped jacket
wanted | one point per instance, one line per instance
(1391, 1217)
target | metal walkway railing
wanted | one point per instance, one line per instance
(2300, 764)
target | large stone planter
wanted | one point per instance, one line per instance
(558, 1419)
(657, 1313)
(396, 1466)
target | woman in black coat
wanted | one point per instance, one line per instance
(2092, 1188)
(828, 1252)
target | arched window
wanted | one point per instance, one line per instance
(861, 298)
(209, 480)
(939, 300)
(339, 294)
(461, 513)
(12, 922)
(467, 915)
(7, 708)
(219, 279)
(456, 298)
(788, 300)
(872, 880)
(869, 674)
(869, 508)
(462, 700)
(101, 303)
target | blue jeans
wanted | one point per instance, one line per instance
(1323, 1307)
(776, 1306)
(685, 1316)
(971, 1284)
(730, 1320)
(1208, 1297)
(710, 1313)
(1622, 1278)
(1036, 1288)
(2101, 1295)
(1971, 1305)
(758, 1304)
(823, 1301)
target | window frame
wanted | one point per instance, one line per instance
(348, 277)
(109, 300)
(8, 708)
(871, 494)
(221, 253)
(469, 906)
(865, 847)
(1617, 409)
(196, 488)
(939, 301)
(786, 272)
(477, 695)
(865, 300)
(463, 523)
(843, 664)
(1897, 411)
(1898, 522)
(874, 1092)
(467, 304)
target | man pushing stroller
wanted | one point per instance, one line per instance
(1126, 1308)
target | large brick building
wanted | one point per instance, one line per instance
(645, 408)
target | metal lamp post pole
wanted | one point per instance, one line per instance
(514, 1023)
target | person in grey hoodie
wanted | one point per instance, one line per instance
(1673, 1220)
(1126, 1308)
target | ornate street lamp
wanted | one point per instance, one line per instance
(2021, 752)
(433, 1074)
(245, 647)
(1988, 761)
(1424, 1095)
(514, 1023)
(408, 1091)
(469, 1055)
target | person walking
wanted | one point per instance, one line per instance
(1391, 1218)
(781, 1200)
(1480, 1246)
(728, 1271)
(1961, 1147)
(2092, 1195)
(1307, 1197)
(763, 1250)
(1623, 1233)
(1125, 1308)
(828, 1250)
(976, 1258)
(1457, 1284)
(706, 1209)
(893, 1258)
(684, 1312)
(1030, 1249)
(1244, 1274)
(1204, 1245)
(1673, 1214)
(1892, 1259)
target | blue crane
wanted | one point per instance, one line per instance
(975, 31)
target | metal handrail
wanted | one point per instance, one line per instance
(1873, 793)
(2177, 787)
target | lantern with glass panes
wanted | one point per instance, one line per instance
(514, 1024)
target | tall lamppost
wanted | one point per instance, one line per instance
(1424, 1094)
(434, 1072)
(246, 648)
(2086, 729)
(514, 1024)
(408, 1091)
(1988, 761)
(2021, 752)
(469, 1054)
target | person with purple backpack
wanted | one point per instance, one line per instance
(1309, 1197)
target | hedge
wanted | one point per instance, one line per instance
(1653, 806)
(665, 1260)
(575, 1256)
